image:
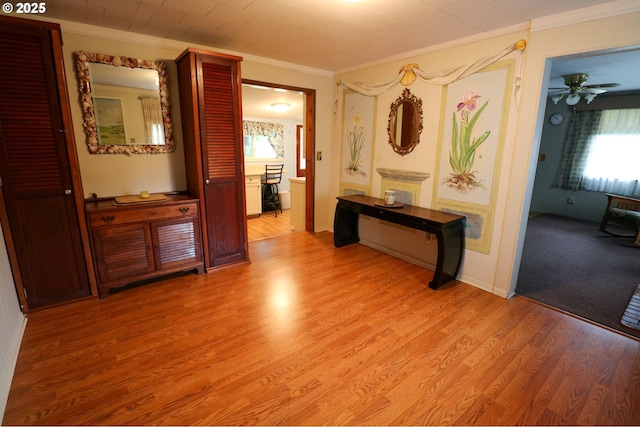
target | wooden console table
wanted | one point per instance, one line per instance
(448, 228)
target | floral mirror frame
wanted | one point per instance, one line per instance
(405, 123)
(82, 60)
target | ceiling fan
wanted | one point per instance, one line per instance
(576, 88)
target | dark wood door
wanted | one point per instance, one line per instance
(222, 157)
(35, 170)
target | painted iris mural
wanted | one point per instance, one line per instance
(464, 144)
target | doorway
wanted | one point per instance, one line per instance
(583, 207)
(259, 103)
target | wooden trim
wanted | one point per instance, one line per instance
(13, 256)
(310, 145)
(72, 155)
(196, 51)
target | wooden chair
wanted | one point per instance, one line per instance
(624, 211)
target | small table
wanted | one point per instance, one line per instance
(448, 228)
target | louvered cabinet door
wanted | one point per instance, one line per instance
(35, 169)
(176, 243)
(222, 157)
(123, 251)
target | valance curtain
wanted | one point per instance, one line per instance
(602, 151)
(153, 121)
(271, 133)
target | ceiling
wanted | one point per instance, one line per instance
(338, 35)
(613, 66)
(331, 35)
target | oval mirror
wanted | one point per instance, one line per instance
(125, 104)
(405, 123)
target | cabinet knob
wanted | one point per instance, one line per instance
(184, 210)
(108, 218)
(67, 191)
(206, 181)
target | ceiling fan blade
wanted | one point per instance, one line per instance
(604, 85)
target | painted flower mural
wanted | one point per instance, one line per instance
(464, 145)
(356, 139)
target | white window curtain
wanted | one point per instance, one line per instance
(602, 152)
(613, 165)
(153, 122)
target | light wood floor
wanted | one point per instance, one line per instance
(268, 225)
(308, 334)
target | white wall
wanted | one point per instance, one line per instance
(497, 271)
(12, 324)
(112, 175)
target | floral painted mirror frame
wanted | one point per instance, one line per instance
(405, 123)
(83, 59)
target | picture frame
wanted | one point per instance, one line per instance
(473, 121)
(110, 125)
(357, 142)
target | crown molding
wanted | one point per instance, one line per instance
(441, 46)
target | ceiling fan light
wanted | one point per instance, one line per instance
(590, 97)
(556, 98)
(572, 99)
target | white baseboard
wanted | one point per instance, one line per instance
(6, 374)
(404, 257)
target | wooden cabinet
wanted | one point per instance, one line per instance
(144, 240)
(41, 198)
(210, 101)
(253, 189)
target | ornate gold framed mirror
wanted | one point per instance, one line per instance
(405, 123)
(125, 104)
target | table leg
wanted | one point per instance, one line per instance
(345, 227)
(450, 250)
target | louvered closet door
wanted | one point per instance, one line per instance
(36, 179)
(221, 127)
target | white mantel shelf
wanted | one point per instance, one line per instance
(402, 175)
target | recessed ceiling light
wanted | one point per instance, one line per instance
(280, 106)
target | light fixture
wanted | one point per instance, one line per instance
(572, 99)
(280, 106)
(576, 89)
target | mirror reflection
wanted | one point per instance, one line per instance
(125, 104)
(405, 123)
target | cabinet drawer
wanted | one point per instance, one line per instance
(113, 217)
(252, 179)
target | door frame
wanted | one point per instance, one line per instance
(310, 144)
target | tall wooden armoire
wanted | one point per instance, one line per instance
(211, 109)
(41, 199)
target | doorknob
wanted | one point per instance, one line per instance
(206, 181)
(67, 191)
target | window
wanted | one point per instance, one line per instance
(602, 152)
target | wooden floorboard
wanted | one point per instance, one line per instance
(308, 334)
(268, 225)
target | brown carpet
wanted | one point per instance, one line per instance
(571, 265)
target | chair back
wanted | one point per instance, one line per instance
(273, 174)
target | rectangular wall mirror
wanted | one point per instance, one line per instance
(125, 104)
